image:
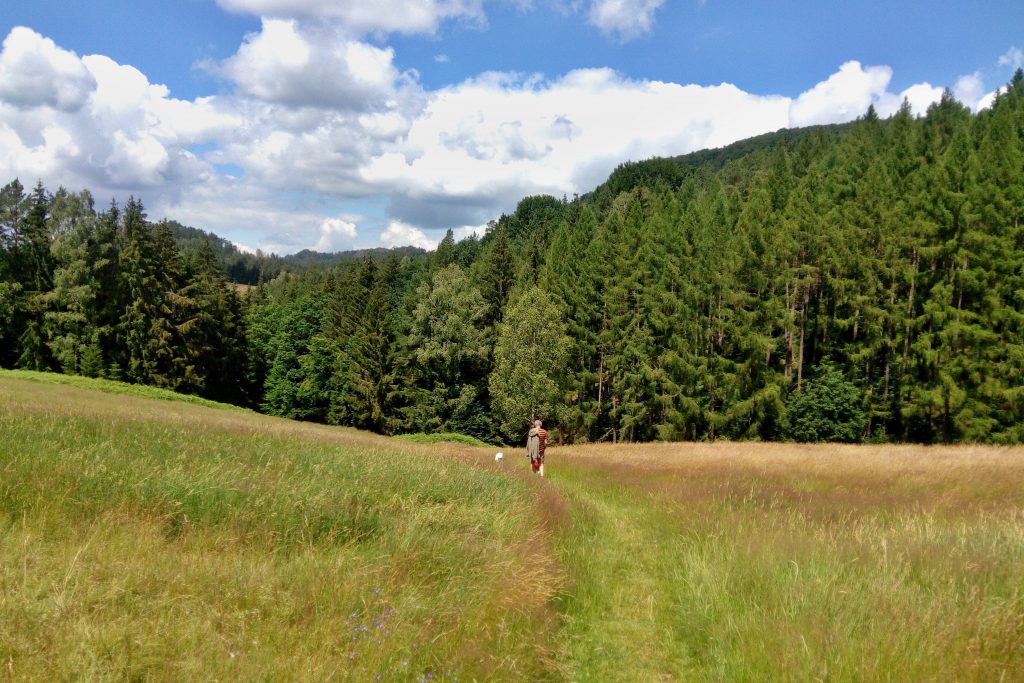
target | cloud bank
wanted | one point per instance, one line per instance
(315, 120)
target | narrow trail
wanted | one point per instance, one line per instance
(608, 605)
(710, 562)
(614, 545)
(618, 594)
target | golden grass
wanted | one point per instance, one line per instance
(743, 561)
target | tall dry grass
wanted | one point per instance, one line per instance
(754, 562)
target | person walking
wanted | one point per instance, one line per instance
(536, 443)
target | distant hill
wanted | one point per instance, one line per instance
(672, 171)
(251, 269)
(307, 257)
(532, 214)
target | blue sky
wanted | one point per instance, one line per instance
(334, 124)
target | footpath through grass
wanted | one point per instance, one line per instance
(148, 539)
(745, 562)
(154, 540)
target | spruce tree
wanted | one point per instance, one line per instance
(497, 274)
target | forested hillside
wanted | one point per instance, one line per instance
(251, 269)
(862, 282)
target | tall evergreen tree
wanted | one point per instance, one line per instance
(213, 333)
(497, 273)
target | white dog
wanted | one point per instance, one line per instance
(499, 456)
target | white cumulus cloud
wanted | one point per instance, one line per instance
(844, 96)
(624, 20)
(1014, 57)
(920, 96)
(970, 90)
(35, 72)
(90, 122)
(315, 65)
(335, 234)
(504, 136)
(849, 92)
(399, 234)
(277, 149)
(254, 216)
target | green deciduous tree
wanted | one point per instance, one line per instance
(529, 361)
(828, 408)
(449, 347)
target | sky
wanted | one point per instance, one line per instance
(285, 125)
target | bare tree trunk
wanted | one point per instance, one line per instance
(888, 363)
(788, 334)
(910, 308)
(803, 326)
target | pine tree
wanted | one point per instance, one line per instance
(445, 254)
(213, 333)
(375, 370)
(143, 293)
(497, 274)
(285, 332)
(70, 318)
(33, 269)
(563, 277)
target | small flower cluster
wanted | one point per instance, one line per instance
(431, 676)
(372, 625)
(369, 626)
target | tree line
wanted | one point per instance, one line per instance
(862, 282)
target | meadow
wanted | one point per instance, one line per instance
(779, 562)
(151, 539)
(145, 539)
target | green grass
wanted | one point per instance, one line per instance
(144, 539)
(112, 387)
(444, 437)
(147, 539)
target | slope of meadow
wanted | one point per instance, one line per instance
(148, 539)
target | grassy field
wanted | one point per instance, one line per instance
(144, 539)
(764, 562)
(444, 437)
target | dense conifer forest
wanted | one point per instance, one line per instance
(850, 283)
